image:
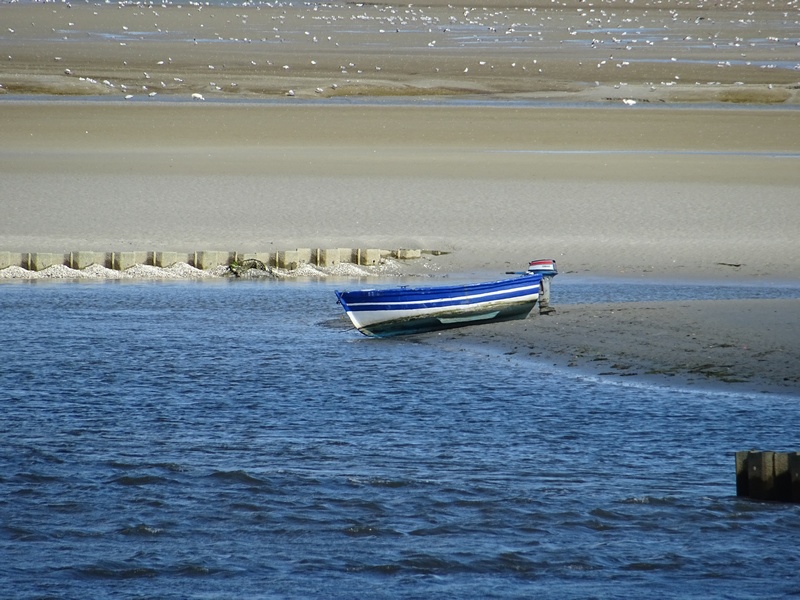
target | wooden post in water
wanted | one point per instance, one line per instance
(783, 489)
(742, 487)
(760, 475)
(794, 476)
(768, 475)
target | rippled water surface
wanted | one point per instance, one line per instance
(237, 440)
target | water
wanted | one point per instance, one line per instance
(572, 289)
(218, 440)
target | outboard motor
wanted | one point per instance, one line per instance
(545, 267)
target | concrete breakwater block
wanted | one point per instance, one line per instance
(167, 259)
(405, 254)
(768, 475)
(369, 257)
(84, 258)
(304, 255)
(39, 261)
(13, 259)
(328, 257)
(208, 259)
(125, 260)
(289, 259)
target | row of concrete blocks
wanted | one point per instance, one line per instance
(205, 259)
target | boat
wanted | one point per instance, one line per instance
(387, 312)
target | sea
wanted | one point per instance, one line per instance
(237, 439)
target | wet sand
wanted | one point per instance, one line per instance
(731, 345)
(520, 133)
(605, 51)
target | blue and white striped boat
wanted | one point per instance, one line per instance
(398, 311)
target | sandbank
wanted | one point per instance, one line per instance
(609, 51)
(655, 191)
(731, 345)
(646, 140)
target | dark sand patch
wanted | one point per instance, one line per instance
(749, 345)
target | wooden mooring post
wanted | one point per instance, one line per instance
(768, 475)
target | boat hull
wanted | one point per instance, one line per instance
(401, 311)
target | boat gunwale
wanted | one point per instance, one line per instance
(465, 293)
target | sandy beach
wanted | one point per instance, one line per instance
(683, 163)
(605, 51)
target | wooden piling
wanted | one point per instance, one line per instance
(761, 475)
(794, 476)
(742, 487)
(768, 475)
(782, 488)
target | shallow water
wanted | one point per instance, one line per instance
(575, 289)
(237, 439)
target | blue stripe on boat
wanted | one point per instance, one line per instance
(464, 298)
